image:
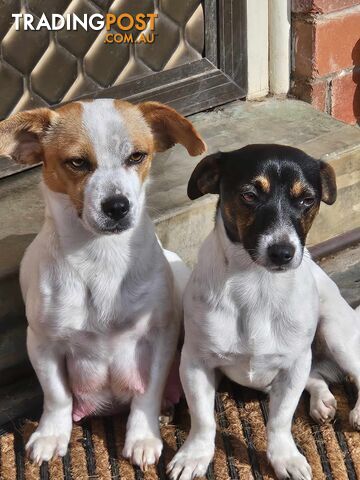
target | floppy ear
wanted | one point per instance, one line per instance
(328, 183)
(21, 135)
(169, 128)
(206, 177)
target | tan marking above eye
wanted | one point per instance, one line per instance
(297, 189)
(262, 182)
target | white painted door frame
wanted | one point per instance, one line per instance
(268, 47)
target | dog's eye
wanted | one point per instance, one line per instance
(249, 197)
(79, 164)
(307, 202)
(137, 157)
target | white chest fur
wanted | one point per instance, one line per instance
(73, 281)
(244, 319)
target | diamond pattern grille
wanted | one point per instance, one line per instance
(41, 68)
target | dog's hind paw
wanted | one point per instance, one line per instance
(42, 448)
(143, 452)
(323, 408)
(354, 418)
(295, 467)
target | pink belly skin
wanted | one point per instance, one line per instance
(131, 382)
(98, 389)
(81, 409)
(88, 381)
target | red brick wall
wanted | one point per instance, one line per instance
(326, 56)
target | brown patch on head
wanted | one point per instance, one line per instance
(263, 183)
(21, 135)
(51, 137)
(307, 219)
(66, 140)
(140, 135)
(237, 218)
(144, 168)
(297, 189)
(154, 127)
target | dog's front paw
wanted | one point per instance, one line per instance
(143, 451)
(293, 466)
(51, 438)
(190, 461)
(322, 408)
(42, 447)
(354, 418)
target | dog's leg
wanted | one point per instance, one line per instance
(344, 347)
(340, 329)
(322, 401)
(285, 392)
(143, 444)
(53, 433)
(197, 452)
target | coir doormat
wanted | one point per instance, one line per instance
(333, 450)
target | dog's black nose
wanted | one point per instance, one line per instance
(281, 253)
(116, 207)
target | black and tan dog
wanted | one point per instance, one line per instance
(256, 300)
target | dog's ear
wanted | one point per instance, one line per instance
(206, 177)
(22, 133)
(169, 128)
(328, 183)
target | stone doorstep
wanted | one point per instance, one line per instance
(181, 224)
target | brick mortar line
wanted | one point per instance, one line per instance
(328, 78)
(317, 17)
(328, 97)
(355, 9)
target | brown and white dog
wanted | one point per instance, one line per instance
(102, 302)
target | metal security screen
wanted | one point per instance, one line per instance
(195, 61)
(45, 67)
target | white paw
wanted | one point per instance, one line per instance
(190, 461)
(295, 467)
(354, 418)
(42, 447)
(143, 451)
(323, 407)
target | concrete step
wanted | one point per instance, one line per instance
(344, 268)
(180, 223)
